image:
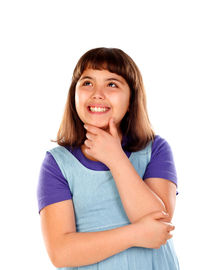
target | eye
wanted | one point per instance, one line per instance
(86, 83)
(111, 84)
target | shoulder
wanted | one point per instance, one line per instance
(61, 154)
(161, 164)
(50, 169)
(58, 149)
(48, 163)
(160, 146)
(159, 141)
(52, 185)
(161, 154)
(48, 159)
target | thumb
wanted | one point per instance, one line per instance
(160, 214)
(112, 127)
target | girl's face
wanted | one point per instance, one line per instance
(100, 95)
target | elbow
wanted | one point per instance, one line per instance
(58, 264)
(61, 254)
(57, 261)
(58, 258)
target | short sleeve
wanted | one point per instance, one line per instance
(161, 164)
(52, 186)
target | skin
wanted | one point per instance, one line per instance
(101, 89)
(103, 132)
(149, 227)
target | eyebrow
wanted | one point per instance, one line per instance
(109, 79)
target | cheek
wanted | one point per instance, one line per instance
(126, 100)
(122, 101)
(79, 99)
(78, 105)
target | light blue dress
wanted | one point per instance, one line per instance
(98, 207)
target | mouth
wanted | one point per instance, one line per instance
(98, 109)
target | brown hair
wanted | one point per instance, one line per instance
(135, 124)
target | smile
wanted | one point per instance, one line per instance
(98, 109)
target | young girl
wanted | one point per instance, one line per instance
(104, 191)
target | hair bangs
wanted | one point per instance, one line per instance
(103, 59)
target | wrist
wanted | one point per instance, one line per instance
(131, 236)
(116, 159)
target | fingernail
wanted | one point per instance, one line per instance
(85, 126)
(165, 213)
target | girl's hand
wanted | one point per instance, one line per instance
(151, 232)
(101, 145)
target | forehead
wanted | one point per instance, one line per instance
(103, 73)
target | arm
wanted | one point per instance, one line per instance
(65, 246)
(166, 190)
(136, 196)
(68, 248)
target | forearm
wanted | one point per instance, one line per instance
(137, 198)
(84, 248)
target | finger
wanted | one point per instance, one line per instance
(90, 136)
(112, 127)
(158, 214)
(166, 222)
(171, 228)
(167, 219)
(88, 143)
(169, 236)
(92, 129)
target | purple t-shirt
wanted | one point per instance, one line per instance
(53, 186)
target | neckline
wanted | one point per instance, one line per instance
(98, 165)
(92, 164)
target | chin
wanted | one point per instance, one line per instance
(97, 124)
(102, 126)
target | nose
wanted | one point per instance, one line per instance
(98, 93)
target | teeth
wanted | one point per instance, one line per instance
(95, 109)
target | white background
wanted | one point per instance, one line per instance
(41, 41)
